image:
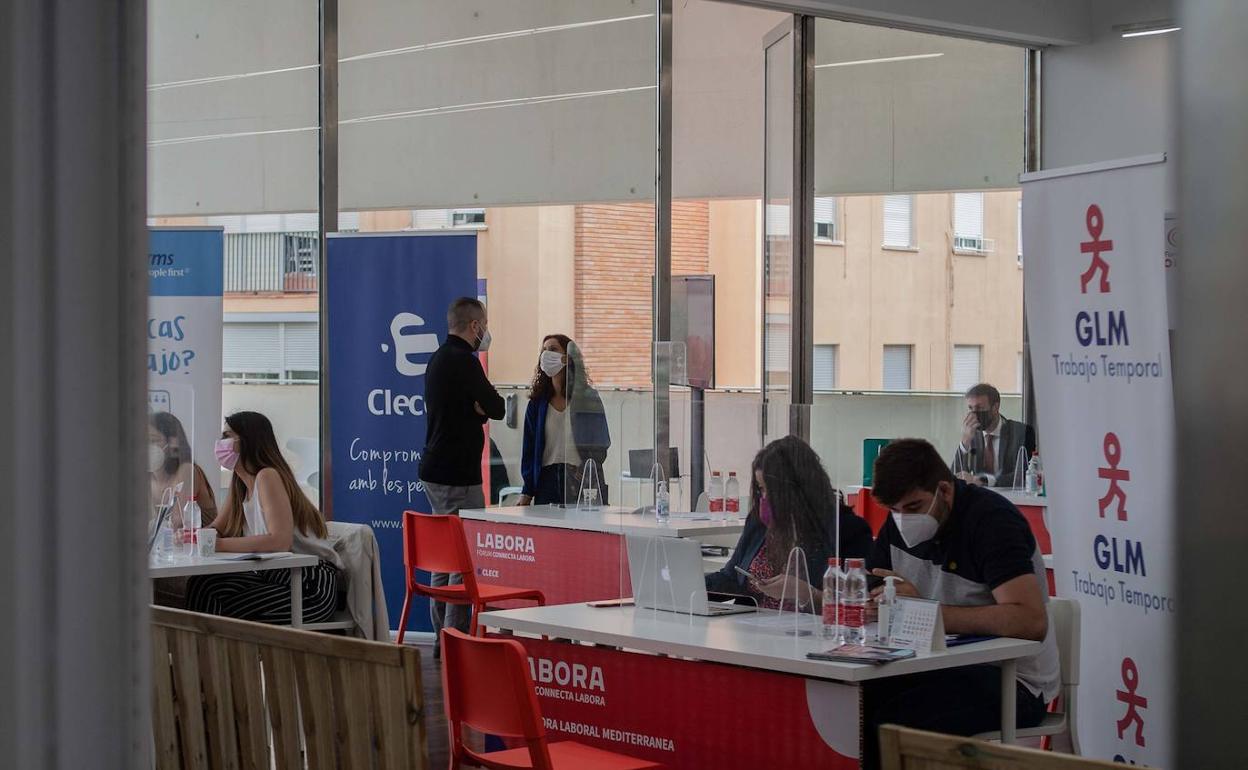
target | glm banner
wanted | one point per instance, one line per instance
(388, 295)
(1096, 314)
(184, 266)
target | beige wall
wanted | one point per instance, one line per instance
(736, 264)
(526, 256)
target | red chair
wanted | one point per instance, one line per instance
(437, 544)
(487, 686)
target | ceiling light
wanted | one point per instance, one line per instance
(1147, 28)
(911, 57)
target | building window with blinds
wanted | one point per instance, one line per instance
(1019, 231)
(445, 219)
(827, 226)
(897, 367)
(825, 367)
(899, 222)
(275, 352)
(968, 224)
(967, 367)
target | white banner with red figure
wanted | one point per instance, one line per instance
(1096, 314)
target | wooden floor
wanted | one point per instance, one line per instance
(435, 714)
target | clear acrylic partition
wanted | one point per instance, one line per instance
(175, 478)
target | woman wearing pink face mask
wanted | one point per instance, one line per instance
(792, 505)
(265, 511)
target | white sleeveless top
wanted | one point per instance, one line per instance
(560, 447)
(311, 545)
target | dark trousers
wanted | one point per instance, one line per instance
(560, 484)
(957, 701)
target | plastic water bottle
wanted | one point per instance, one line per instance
(1033, 474)
(715, 496)
(831, 596)
(854, 602)
(662, 502)
(192, 517)
(732, 496)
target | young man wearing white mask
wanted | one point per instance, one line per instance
(971, 550)
(458, 400)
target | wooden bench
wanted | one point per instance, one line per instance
(904, 749)
(231, 694)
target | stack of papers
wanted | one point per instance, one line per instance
(256, 556)
(862, 653)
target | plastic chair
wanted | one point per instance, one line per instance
(1064, 615)
(437, 544)
(487, 686)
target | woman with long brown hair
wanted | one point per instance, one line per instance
(565, 424)
(265, 511)
(792, 505)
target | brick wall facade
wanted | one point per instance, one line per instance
(614, 265)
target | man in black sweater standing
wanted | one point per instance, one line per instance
(458, 400)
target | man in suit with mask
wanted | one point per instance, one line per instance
(988, 452)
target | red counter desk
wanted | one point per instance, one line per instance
(569, 555)
(1033, 507)
(701, 693)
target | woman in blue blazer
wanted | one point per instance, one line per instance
(564, 426)
(792, 504)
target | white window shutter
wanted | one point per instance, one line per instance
(897, 367)
(300, 223)
(966, 367)
(303, 351)
(899, 221)
(968, 215)
(778, 343)
(825, 367)
(1020, 231)
(825, 210)
(431, 219)
(348, 221)
(253, 348)
(777, 220)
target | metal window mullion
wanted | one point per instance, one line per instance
(662, 321)
(802, 228)
(327, 100)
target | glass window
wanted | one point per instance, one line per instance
(826, 227)
(966, 367)
(897, 367)
(899, 221)
(968, 222)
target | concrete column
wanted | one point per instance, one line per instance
(73, 285)
(1210, 371)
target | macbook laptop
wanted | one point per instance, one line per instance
(667, 575)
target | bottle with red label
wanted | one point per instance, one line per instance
(732, 496)
(715, 496)
(853, 602)
(832, 579)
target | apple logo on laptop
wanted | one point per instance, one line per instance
(667, 575)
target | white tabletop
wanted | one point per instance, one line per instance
(611, 520)
(731, 640)
(1023, 498)
(184, 566)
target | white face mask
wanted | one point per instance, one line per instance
(917, 528)
(155, 458)
(551, 362)
(484, 344)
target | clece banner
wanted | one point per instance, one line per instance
(184, 266)
(1096, 315)
(387, 297)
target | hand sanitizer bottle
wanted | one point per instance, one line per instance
(888, 606)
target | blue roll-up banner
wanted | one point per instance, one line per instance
(387, 296)
(184, 268)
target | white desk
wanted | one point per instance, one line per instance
(187, 566)
(764, 659)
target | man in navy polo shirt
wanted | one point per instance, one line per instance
(970, 549)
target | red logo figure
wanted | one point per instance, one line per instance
(1096, 226)
(1113, 455)
(1131, 680)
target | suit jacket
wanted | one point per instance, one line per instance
(1013, 435)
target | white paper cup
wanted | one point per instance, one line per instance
(207, 542)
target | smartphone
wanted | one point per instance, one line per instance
(747, 575)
